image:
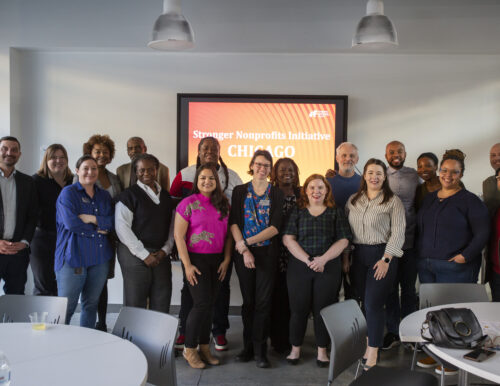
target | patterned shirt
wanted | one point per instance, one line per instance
(316, 234)
(256, 210)
(206, 233)
(80, 244)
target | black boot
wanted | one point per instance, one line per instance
(261, 360)
(246, 354)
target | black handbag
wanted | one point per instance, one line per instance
(453, 328)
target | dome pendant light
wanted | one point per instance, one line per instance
(375, 29)
(172, 31)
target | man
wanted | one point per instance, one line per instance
(491, 193)
(136, 146)
(345, 183)
(403, 182)
(18, 217)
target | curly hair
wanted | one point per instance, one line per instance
(98, 139)
(303, 201)
(454, 154)
(274, 172)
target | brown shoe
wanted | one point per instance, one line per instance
(193, 359)
(206, 355)
(427, 363)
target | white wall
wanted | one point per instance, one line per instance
(429, 102)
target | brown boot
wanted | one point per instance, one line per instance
(193, 359)
(206, 355)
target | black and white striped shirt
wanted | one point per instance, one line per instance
(372, 223)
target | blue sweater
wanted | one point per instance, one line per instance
(456, 225)
(343, 188)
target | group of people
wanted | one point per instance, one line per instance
(293, 247)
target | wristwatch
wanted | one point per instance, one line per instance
(246, 243)
(386, 260)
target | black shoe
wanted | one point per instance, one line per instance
(262, 362)
(245, 355)
(293, 361)
(101, 326)
(322, 364)
(391, 340)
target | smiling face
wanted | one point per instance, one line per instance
(285, 173)
(347, 158)
(495, 156)
(209, 151)
(426, 168)
(260, 167)
(374, 177)
(395, 155)
(316, 192)
(450, 174)
(87, 172)
(101, 154)
(9, 153)
(57, 163)
(206, 182)
(146, 172)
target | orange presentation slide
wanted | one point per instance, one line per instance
(304, 132)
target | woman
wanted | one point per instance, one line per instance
(102, 149)
(208, 151)
(53, 175)
(453, 228)
(377, 219)
(256, 214)
(84, 218)
(285, 176)
(316, 234)
(495, 250)
(142, 220)
(427, 165)
(204, 246)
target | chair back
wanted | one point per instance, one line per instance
(154, 333)
(16, 308)
(347, 328)
(437, 294)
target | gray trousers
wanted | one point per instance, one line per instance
(142, 283)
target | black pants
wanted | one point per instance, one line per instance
(256, 289)
(373, 293)
(280, 313)
(43, 248)
(13, 270)
(142, 283)
(311, 290)
(204, 294)
(220, 320)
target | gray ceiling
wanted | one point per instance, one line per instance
(269, 26)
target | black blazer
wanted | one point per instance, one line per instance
(26, 208)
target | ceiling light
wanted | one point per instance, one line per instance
(172, 31)
(375, 29)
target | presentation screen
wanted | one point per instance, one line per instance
(304, 128)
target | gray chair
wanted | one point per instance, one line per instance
(16, 308)
(346, 325)
(154, 333)
(437, 294)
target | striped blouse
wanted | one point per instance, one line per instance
(372, 223)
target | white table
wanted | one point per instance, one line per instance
(409, 331)
(70, 355)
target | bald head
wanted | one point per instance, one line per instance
(495, 156)
(395, 154)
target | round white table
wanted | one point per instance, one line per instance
(70, 355)
(409, 331)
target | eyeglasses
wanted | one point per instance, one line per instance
(259, 165)
(453, 172)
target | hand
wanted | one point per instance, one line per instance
(102, 232)
(248, 259)
(381, 268)
(223, 269)
(318, 264)
(460, 259)
(11, 248)
(191, 272)
(330, 173)
(346, 263)
(151, 260)
(240, 246)
(159, 255)
(88, 218)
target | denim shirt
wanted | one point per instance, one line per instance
(80, 244)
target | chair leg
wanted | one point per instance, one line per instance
(414, 358)
(357, 369)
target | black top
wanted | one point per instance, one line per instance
(275, 210)
(47, 191)
(151, 223)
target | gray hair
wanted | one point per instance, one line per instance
(344, 144)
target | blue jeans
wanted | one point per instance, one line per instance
(444, 271)
(89, 282)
